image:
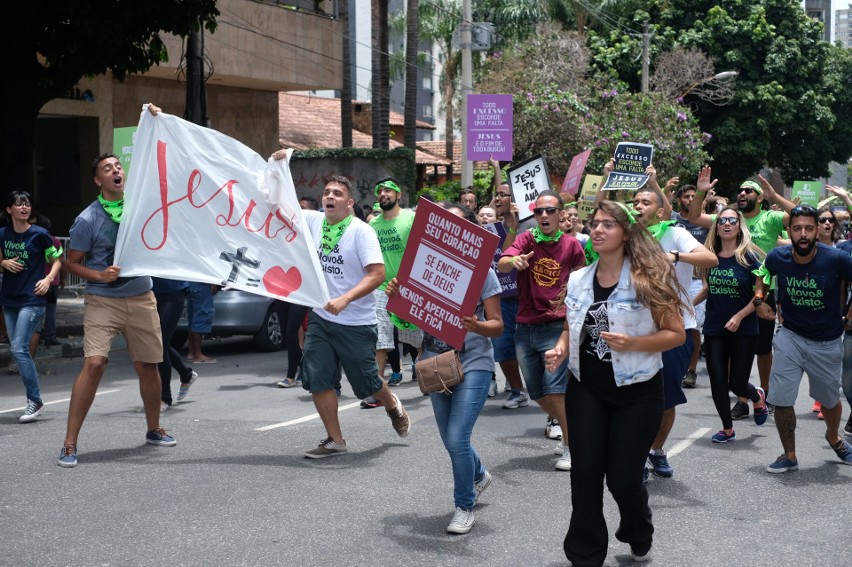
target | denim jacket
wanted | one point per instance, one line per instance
(626, 315)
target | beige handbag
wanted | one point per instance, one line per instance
(439, 373)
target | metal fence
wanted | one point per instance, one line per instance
(71, 281)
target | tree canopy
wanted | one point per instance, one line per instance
(58, 43)
(791, 107)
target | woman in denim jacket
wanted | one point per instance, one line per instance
(623, 311)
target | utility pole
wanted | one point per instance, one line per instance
(646, 57)
(466, 80)
(196, 95)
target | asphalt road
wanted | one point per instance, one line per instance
(237, 491)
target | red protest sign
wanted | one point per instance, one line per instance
(575, 172)
(442, 272)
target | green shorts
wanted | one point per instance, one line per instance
(328, 344)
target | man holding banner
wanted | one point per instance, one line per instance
(344, 330)
(114, 305)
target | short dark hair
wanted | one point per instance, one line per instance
(803, 211)
(311, 201)
(98, 160)
(340, 180)
(549, 193)
(684, 188)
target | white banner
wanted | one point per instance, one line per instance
(201, 206)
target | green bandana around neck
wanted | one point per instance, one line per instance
(331, 233)
(542, 237)
(659, 230)
(115, 209)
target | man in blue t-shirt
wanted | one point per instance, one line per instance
(810, 278)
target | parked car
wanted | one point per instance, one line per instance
(238, 312)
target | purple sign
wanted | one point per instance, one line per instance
(489, 127)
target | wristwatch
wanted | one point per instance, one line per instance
(676, 254)
(757, 301)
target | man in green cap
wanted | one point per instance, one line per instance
(766, 228)
(392, 227)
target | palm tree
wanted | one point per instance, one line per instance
(380, 85)
(412, 39)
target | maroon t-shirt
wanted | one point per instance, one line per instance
(546, 278)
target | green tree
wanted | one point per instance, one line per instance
(58, 43)
(790, 109)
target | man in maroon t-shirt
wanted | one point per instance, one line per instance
(544, 257)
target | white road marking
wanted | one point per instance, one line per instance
(58, 401)
(683, 445)
(305, 418)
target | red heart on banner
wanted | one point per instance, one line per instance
(282, 282)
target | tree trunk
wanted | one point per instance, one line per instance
(412, 39)
(449, 93)
(346, 89)
(380, 86)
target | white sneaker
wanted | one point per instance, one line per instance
(492, 389)
(462, 522)
(517, 400)
(564, 462)
(164, 407)
(480, 486)
(553, 431)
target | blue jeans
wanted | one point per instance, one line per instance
(21, 323)
(456, 415)
(531, 342)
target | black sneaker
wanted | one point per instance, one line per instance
(32, 412)
(740, 410)
(848, 429)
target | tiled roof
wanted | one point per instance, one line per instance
(314, 122)
(439, 148)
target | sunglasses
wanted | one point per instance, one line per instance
(827, 219)
(746, 190)
(503, 195)
(608, 224)
(802, 210)
(728, 220)
(538, 211)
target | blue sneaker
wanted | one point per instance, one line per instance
(843, 450)
(160, 437)
(68, 457)
(660, 464)
(645, 474)
(723, 437)
(782, 464)
(395, 379)
(760, 414)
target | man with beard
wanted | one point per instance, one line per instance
(765, 227)
(392, 227)
(810, 278)
(544, 258)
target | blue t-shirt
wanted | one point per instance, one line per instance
(94, 233)
(698, 232)
(730, 288)
(809, 294)
(28, 247)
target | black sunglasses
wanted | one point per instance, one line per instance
(802, 210)
(538, 211)
(832, 220)
(746, 190)
(728, 220)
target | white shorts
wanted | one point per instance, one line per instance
(695, 288)
(413, 337)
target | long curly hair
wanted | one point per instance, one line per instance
(745, 247)
(653, 276)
